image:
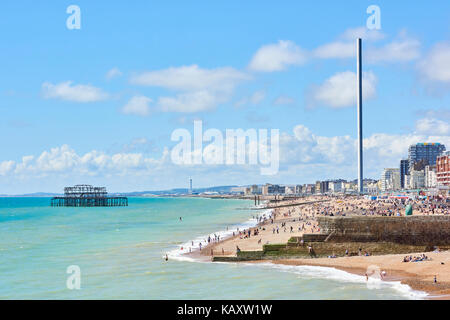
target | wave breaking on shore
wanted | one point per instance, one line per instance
(334, 274)
(182, 251)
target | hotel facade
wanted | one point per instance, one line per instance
(443, 169)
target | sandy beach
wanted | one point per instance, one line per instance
(418, 275)
(300, 217)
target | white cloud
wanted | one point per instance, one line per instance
(277, 57)
(345, 45)
(435, 66)
(191, 102)
(113, 73)
(402, 50)
(6, 167)
(198, 89)
(432, 126)
(283, 100)
(255, 98)
(138, 105)
(65, 161)
(304, 158)
(352, 34)
(339, 90)
(77, 93)
(337, 155)
(302, 146)
(191, 78)
(338, 49)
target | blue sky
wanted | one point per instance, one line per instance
(232, 64)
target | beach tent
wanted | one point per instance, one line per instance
(408, 210)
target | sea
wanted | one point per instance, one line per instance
(119, 253)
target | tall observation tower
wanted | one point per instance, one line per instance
(359, 112)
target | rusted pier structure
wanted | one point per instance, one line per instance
(88, 196)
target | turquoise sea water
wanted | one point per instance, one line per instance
(119, 251)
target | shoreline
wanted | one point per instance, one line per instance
(418, 276)
(438, 291)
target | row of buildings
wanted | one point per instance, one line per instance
(427, 166)
(320, 187)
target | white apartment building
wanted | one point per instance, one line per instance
(430, 177)
(336, 186)
(390, 179)
(415, 179)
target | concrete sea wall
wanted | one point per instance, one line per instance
(410, 230)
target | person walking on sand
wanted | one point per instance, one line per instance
(167, 257)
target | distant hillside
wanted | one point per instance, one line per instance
(35, 194)
(176, 191)
(218, 189)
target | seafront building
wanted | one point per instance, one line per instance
(309, 189)
(425, 152)
(404, 170)
(390, 179)
(322, 187)
(290, 189)
(335, 186)
(253, 190)
(372, 187)
(272, 189)
(430, 177)
(416, 179)
(443, 170)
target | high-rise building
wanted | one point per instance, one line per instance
(425, 152)
(443, 170)
(322, 186)
(404, 170)
(390, 179)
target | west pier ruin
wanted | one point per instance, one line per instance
(84, 195)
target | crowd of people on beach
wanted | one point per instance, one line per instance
(358, 205)
(298, 216)
(418, 258)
